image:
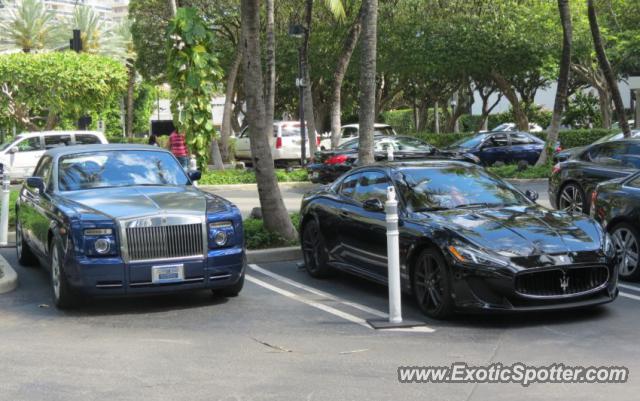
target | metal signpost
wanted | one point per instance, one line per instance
(393, 266)
(4, 211)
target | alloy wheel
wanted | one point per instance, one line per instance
(311, 246)
(571, 199)
(626, 250)
(429, 283)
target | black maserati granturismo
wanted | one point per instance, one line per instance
(468, 240)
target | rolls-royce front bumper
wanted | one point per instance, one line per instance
(113, 277)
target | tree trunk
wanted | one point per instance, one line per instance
(276, 218)
(227, 113)
(436, 117)
(604, 100)
(605, 66)
(173, 7)
(309, 113)
(563, 81)
(270, 90)
(486, 111)
(338, 77)
(216, 156)
(507, 89)
(368, 82)
(131, 86)
(52, 121)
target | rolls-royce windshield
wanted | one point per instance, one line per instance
(118, 169)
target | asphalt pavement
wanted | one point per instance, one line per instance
(290, 337)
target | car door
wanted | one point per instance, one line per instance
(494, 149)
(35, 209)
(337, 245)
(366, 241)
(524, 147)
(24, 158)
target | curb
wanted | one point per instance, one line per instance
(274, 255)
(11, 240)
(9, 277)
(305, 185)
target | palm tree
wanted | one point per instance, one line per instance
(368, 81)
(29, 27)
(563, 79)
(605, 66)
(94, 30)
(276, 218)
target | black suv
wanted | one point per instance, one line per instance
(572, 181)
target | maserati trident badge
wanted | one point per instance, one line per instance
(564, 282)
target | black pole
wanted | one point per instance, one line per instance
(77, 41)
(303, 133)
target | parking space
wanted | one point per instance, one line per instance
(288, 336)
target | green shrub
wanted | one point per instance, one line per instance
(400, 120)
(225, 177)
(511, 171)
(13, 197)
(442, 140)
(256, 237)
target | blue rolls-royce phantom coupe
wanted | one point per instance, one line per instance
(113, 220)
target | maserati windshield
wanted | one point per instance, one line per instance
(451, 187)
(119, 169)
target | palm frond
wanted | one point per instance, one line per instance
(336, 8)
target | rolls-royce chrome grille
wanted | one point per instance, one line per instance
(561, 282)
(164, 242)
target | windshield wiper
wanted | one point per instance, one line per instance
(431, 209)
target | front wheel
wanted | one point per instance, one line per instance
(627, 243)
(572, 199)
(23, 250)
(314, 251)
(232, 291)
(63, 295)
(431, 284)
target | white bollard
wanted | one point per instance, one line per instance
(4, 211)
(193, 165)
(393, 257)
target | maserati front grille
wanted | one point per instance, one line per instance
(560, 282)
(165, 242)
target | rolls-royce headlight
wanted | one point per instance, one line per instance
(96, 232)
(102, 246)
(220, 233)
(469, 254)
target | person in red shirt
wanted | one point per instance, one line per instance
(178, 146)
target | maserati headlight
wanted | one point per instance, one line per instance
(469, 254)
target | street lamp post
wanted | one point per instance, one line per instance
(297, 31)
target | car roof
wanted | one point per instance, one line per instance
(69, 150)
(47, 133)
(376, 125)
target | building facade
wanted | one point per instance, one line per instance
(112, 10)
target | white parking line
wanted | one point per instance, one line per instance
(626, 295)
(629, 287)
(320, 293)
(326, 308)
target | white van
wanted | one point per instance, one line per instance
(351, 131)
(21, 155)
(285, 147)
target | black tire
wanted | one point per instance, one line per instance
(314, 251)
(431, 284)
(64, 297)
(626, 240)
(232, 291)
(572, 199)
(25, 255)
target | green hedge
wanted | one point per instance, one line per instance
(256, 237)
(248, 177)
(511, 171)
(441, 140)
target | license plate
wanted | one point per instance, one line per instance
(167, 274)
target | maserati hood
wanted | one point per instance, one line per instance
(522, 231)
(122, 203)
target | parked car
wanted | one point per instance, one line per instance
(562, 155)
(116, 220)
(468, 240)
(352, 131)
(285, 146)
(512, 127)
(20, 155)
(331, 164)
(505, 147)
(616, 205)
(572, 182)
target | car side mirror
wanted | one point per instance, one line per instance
(531, 195)
(373, 205)
(36, 184)
(194, 175)
(13, 150)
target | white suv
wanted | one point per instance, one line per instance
(285, 146)
(20, 155)
(351, 131)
